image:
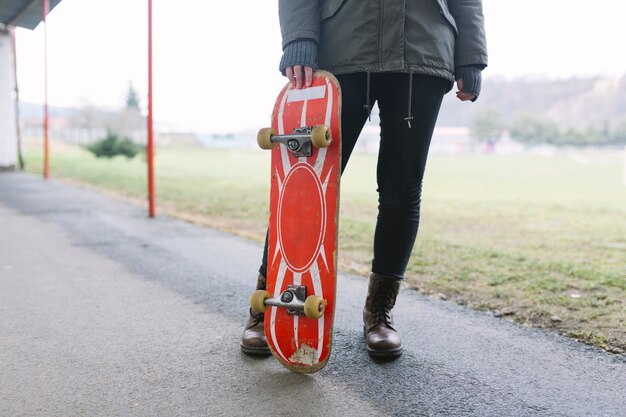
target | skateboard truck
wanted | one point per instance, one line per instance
(300, 142)
(294, 299)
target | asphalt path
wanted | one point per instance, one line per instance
(104, 312)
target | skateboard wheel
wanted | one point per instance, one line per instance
(314, 307)
(257, 301)
(264, 138)
(320, 136)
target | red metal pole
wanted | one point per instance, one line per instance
(46, 163)
(150, 147)
(20, 155)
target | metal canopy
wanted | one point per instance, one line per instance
(23, 13)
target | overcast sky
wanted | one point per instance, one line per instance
(215, 63)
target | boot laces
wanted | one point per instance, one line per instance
(257, 317)
(382, 316)
(382, 308)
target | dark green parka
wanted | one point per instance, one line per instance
(424, 36)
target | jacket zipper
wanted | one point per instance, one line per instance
(380, 35)
(368, 106)
(409, 115)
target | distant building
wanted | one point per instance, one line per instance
(452, 140)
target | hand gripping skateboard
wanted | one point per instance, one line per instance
(299, 304)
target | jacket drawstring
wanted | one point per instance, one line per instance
(409, 116)
(368, 106)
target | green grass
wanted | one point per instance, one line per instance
(534, 237)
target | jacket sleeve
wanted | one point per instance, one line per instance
(299, 19)
(471, 43)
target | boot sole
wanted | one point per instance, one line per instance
(384, 353)
(255, 351)
(391, 353)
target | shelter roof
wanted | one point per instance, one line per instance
(23, 13)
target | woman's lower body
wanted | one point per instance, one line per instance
(400, 170)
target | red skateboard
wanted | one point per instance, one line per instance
(299, 304)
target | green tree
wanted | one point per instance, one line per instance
(113, 145)
(575, 137)
(533, 129)
(594, 135)
(589, 136)
(132, 98)
(487, 126)
(618, 137)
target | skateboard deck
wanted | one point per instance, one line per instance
(304, 203)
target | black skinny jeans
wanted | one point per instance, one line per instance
(401, 158)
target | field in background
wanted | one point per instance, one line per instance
(541, 240)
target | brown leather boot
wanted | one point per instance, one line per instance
(253, 341)
(383, 340)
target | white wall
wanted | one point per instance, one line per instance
(8, 128)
